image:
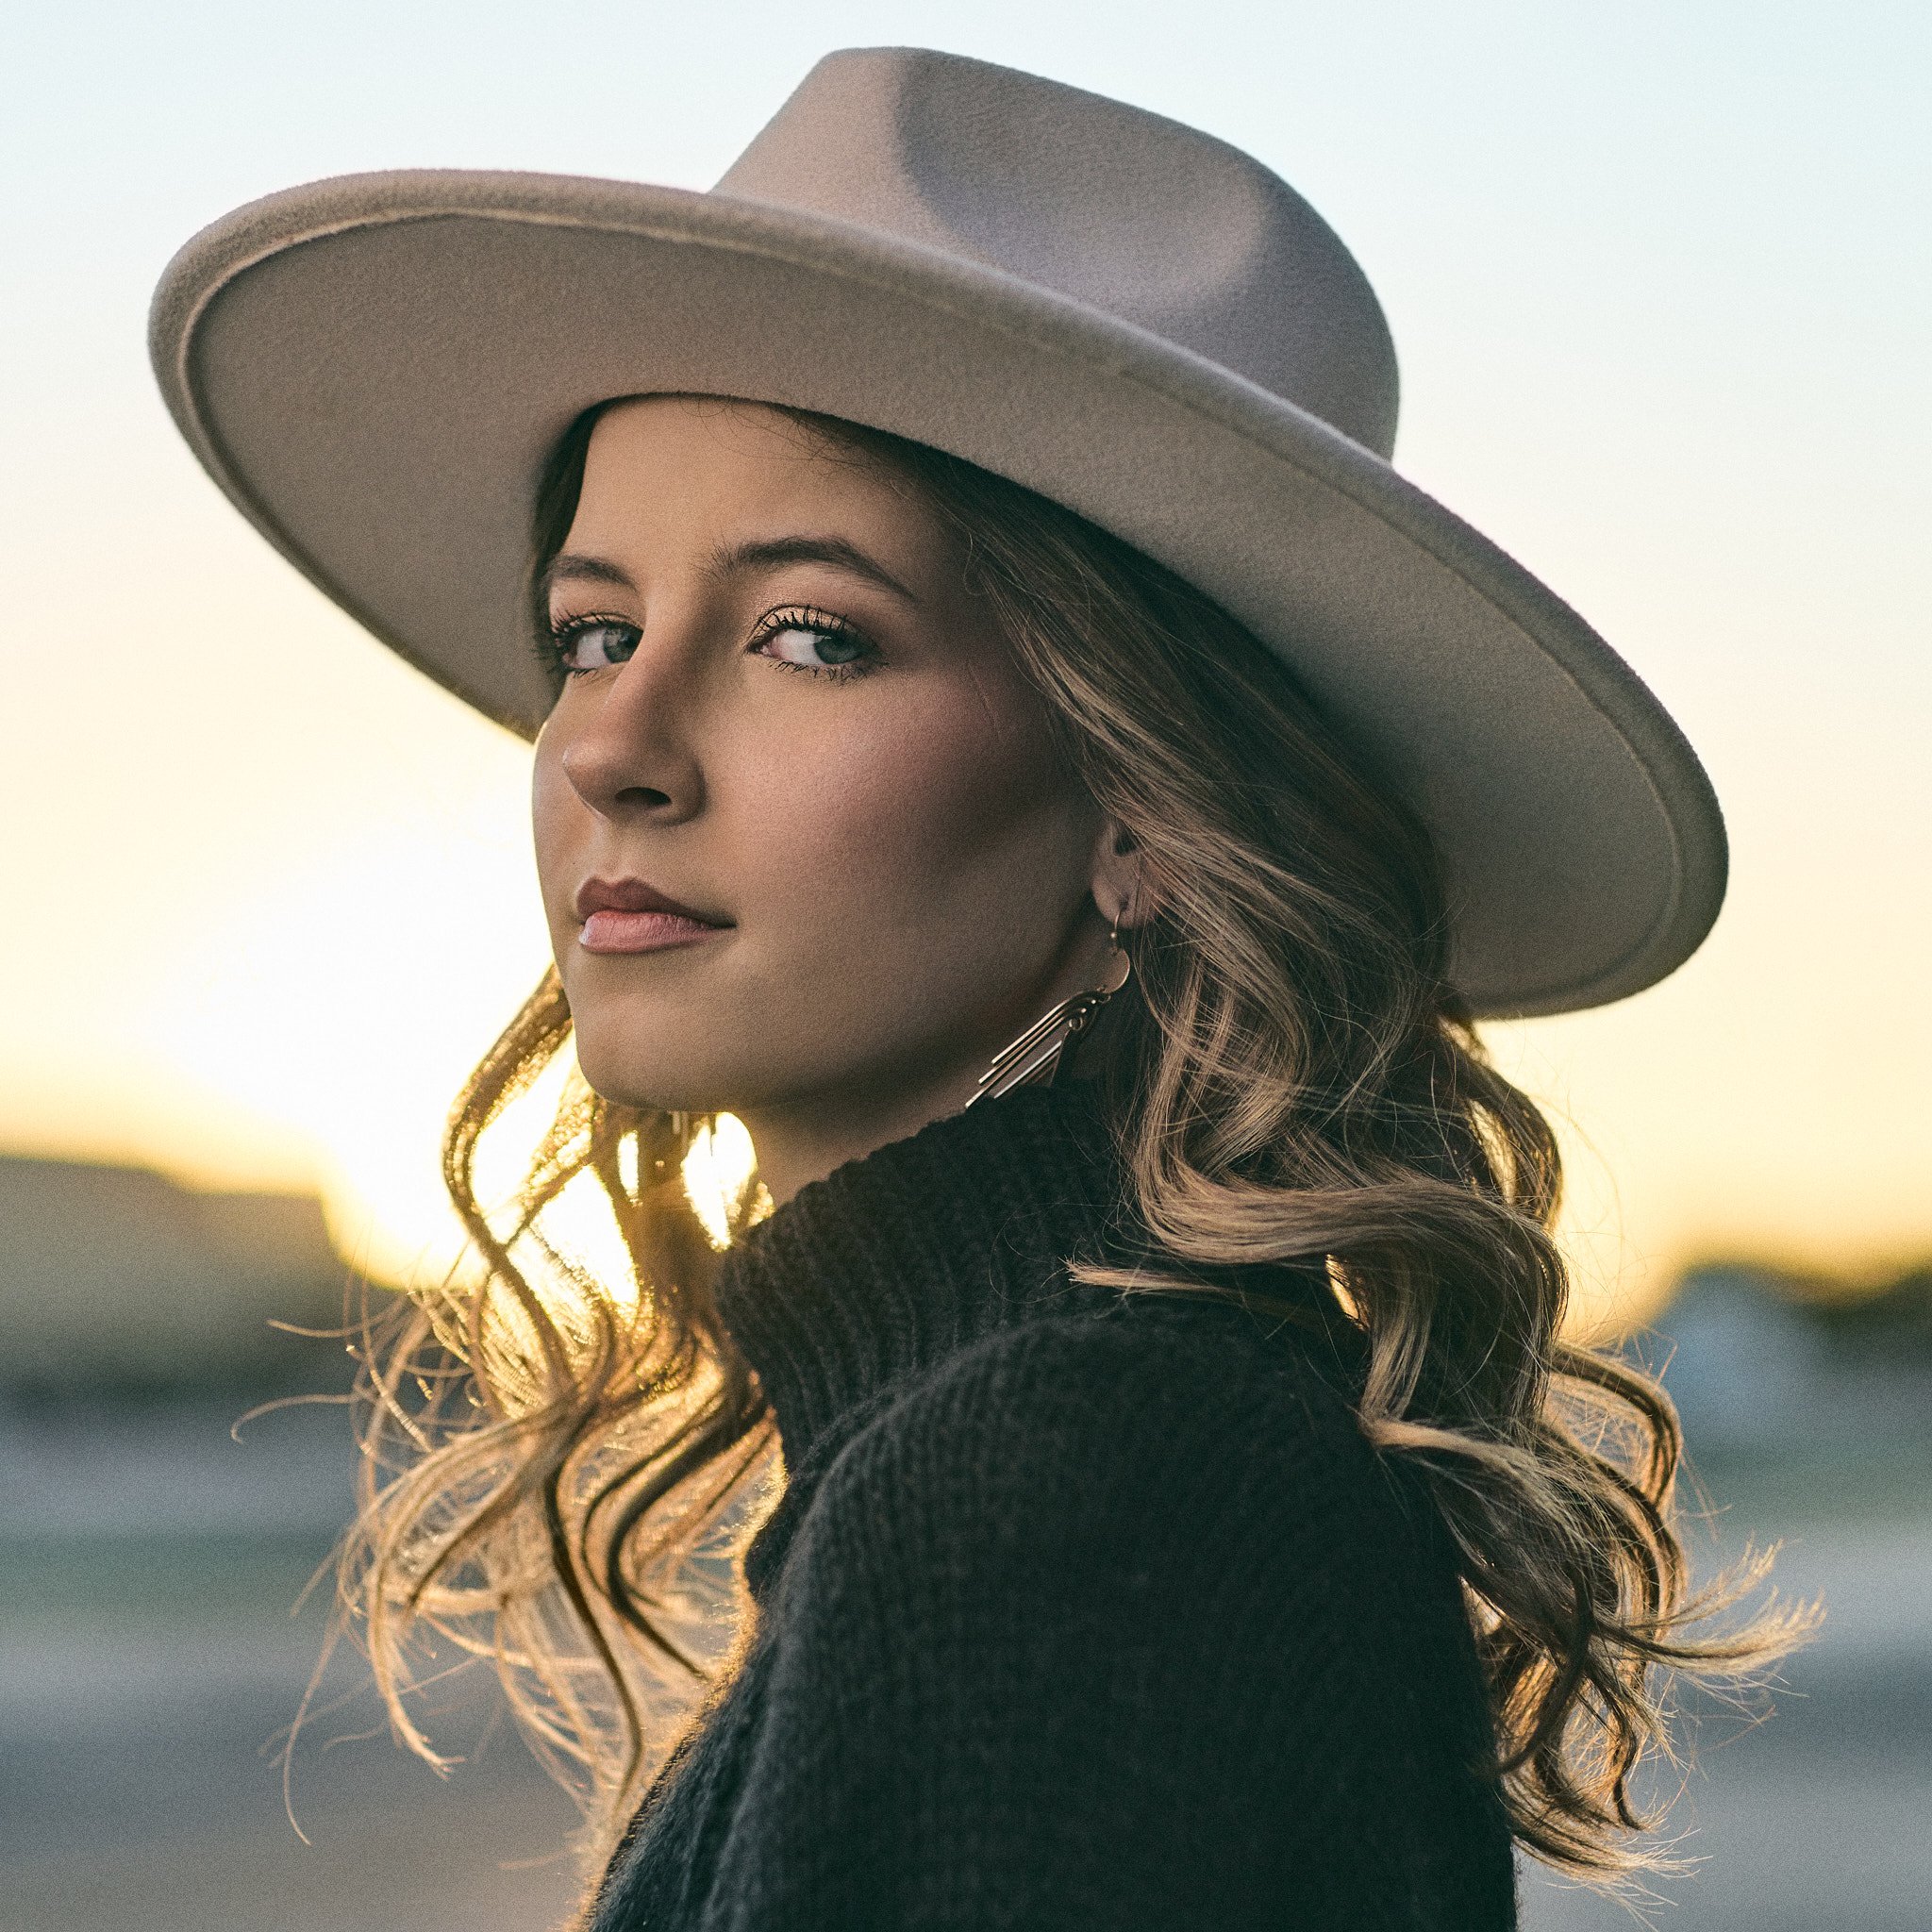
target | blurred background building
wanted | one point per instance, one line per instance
(120, 1279)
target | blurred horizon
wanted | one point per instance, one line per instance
(1660, 286)
(119, 1283)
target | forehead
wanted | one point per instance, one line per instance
(665, 468)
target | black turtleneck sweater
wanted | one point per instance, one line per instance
(1079, 1610)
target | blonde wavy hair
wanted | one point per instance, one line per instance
(561, 1463)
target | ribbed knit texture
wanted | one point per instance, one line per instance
(1079, 1610)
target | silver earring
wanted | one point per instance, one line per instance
(1034, 1059)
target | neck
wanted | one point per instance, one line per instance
(803, 1141)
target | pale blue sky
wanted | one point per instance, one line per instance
(1660, 281)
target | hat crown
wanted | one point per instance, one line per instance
(1123, 210)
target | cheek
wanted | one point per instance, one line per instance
(916, 821)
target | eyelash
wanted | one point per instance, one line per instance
(553, 645)
(821, 624)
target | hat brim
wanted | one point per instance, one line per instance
(374, 368)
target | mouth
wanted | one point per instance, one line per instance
(629, 916)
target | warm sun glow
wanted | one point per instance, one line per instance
(716, 1172)
(578, 1227)
(332, 1005)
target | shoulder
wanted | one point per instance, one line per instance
(1168, 1532)
(1141, 1384)
(1170, 1448)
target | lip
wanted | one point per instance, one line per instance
(629, 916)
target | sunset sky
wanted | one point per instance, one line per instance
(1660, 278)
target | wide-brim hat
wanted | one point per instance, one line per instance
(1117, 311)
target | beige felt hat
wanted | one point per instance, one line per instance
(1123, 314)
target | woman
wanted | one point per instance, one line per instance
(1004, 735)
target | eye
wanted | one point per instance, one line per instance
(813, 640)
(592, 643)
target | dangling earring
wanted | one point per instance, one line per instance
(1036, 1058)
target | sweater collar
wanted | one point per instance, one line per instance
(898, 1258)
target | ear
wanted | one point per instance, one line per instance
(1122, 890)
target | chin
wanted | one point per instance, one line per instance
(654, 1081)
(679, 1064)
(673, 1066)
(642, 1052)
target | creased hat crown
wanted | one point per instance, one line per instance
(1122, 210)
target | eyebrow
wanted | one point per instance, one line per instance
(569, 568)
(770, 552)
(766, 553)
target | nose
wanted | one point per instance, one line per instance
(630, 737)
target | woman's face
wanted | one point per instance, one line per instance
(806, 848)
